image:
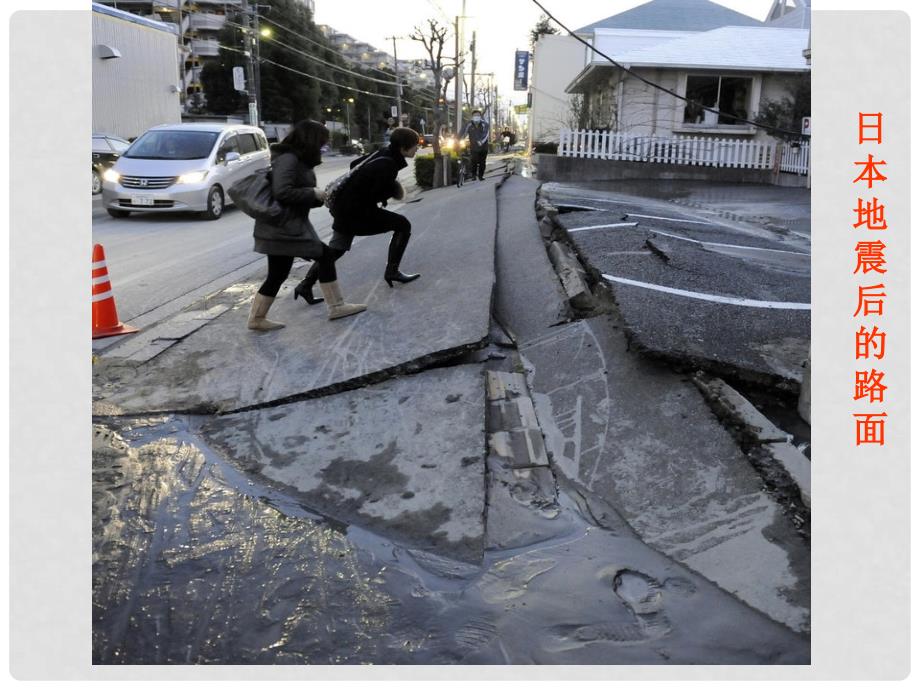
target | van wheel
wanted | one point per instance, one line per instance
(215, 204)
(115, 213)
(97, 182)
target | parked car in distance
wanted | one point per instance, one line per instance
(183, 167)
(425, 140)
(106, 150)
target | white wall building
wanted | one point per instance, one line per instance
(135, 73)
(732, 70)
(559, 59)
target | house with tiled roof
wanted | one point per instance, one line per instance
(711, 83)
(558, 58)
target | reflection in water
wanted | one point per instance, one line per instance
(195, 562)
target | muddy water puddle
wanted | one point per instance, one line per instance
(195, 561)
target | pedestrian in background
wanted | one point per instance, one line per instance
(294, 188)
(477, 130)
(391, 127)
(356, 211)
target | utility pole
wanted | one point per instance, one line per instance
(250, 67)
(458, 60)
(473, 72)
(458, 77)
(257, 43)
(398, 84)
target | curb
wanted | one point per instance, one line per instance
(760, 434)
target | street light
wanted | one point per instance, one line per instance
(348, 102)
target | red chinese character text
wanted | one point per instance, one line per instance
(870, 172)
(869, 384)
(869, 122)
(871, 214)
(870, 428)
(870, 306)
(870, 340)
(870, 256)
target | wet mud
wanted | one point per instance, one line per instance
(195, 561)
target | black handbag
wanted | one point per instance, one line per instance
(253, 196)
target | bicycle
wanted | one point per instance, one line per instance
(463, 168)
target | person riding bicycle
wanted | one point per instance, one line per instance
(478, 132)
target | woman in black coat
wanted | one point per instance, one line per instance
(356, 211)
(294, 188)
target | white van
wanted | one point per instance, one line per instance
(186, 167)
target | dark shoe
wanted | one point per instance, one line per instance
(393, 274)
(398, 244)
(305, 288)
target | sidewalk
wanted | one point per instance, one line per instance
(464, 441)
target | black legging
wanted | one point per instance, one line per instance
(376, 221)
(279, 268)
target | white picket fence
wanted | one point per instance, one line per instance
(795, 159)
(684, 150)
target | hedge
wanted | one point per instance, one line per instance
(545, 147)
(424, 169)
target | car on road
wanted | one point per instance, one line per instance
(106, 150)
(183, 167)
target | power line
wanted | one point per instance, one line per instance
(328, 64)
(326, 81)
(654, 85)
(321, 45)
(425, 91)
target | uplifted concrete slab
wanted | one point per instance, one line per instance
(526, 274)
(404, 458)
(641, 437)
(224, 367)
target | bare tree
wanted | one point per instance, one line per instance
(433, 37)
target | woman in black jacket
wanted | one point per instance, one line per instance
(294, 187)
(356, 211)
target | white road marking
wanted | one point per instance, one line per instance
(608, 225)
(732, 246)
(687, 239)
(676, 220)
(583, 208)
(738, 301)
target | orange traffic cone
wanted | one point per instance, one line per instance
(105, 318)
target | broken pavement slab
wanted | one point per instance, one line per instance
(226, 367)
(677, 281)
(642, 437)
(529, 298)
(404, 458)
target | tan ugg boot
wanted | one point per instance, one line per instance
(260, 306)
(336, 304)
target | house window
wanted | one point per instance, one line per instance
(731, 96)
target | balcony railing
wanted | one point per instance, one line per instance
(203, 46)
(207, 22)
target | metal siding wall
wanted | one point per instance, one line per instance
(132, 93)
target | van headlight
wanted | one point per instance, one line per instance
(193, 177)
(111, 176)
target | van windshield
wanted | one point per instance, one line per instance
(164, 144)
